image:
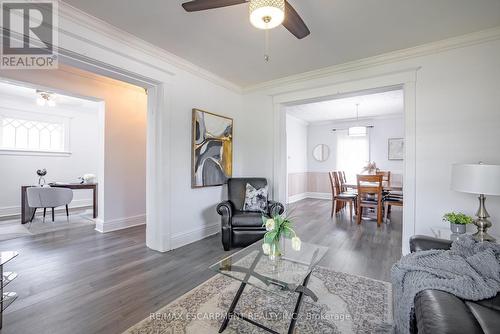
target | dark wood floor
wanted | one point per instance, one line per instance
(81, 281)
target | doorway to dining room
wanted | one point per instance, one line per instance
(330, 141)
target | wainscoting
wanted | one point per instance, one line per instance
(308, 185)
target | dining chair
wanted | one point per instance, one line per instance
(339, 197)
(393, 199)
(386, 175)
(369, 195)
(48, 197)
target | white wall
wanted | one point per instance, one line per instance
(297, 148)
(457, 117)
(17, 170)
(122, 182)
(383, 129)
(194, 215)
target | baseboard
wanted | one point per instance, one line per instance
(296, 198)
(319, 195)
(119, 224)
(15, 211)
(184, 238)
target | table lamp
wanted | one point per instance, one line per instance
(478, 179)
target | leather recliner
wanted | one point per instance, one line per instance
(439, 312)
(242, 228)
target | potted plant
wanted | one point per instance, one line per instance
(278, 228)
(370, 168)
(458, 221)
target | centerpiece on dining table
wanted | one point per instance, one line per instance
(278, 229)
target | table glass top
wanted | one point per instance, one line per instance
(7, 256)
(252, 266)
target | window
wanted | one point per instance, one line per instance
(353, 153)
(23, 132)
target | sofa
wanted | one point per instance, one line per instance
(439, 312)
(242, 228)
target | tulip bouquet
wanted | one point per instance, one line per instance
(277, 228)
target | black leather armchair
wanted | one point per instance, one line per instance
(242, 228)
(439, 312)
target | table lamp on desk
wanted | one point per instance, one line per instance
(481, 179)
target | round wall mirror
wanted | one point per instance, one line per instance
(321, 152)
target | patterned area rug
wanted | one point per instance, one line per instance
(347, 304)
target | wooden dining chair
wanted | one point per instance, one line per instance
(369, 195)
(386, 175)
(339, 197)
(393, 199)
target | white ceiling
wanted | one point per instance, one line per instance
(223, 41)
(26, 94)
(370, 106)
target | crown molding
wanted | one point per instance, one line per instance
(101, 27)
(479, 37)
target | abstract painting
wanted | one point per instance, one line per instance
(212, 151)
(396, 149)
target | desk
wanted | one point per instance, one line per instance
(387, 186)
(26, 211)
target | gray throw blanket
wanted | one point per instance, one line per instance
(469, 270)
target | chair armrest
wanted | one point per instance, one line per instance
(274, 208)
(225, 208)
(422, 242)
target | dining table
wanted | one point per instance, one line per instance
(386, 186)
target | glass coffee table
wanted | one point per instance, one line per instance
(289, 274)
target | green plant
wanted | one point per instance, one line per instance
(458, 218)
(276, 227)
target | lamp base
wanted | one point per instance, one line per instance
(482, 222)
(483, 236)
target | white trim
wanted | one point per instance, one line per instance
(15, 211)
(287, 83)
(70, 13)
(6, 151)
(355, 82)
(119, 224)
(296, 198)
(319, 195)
(315, 195)
(185, 238)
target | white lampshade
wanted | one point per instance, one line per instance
(357, 131)
(476, 179)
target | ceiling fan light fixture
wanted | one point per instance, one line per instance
(267, 14)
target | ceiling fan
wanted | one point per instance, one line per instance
(264, 14)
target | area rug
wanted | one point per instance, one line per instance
(347, 304)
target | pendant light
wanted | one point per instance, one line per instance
(357, 131)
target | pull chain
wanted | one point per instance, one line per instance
(266, 55)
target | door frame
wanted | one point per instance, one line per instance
(158, 145)
(406, 79)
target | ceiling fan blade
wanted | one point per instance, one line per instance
(294, 23)
(196, 5)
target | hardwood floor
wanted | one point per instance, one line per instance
(80, 281)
